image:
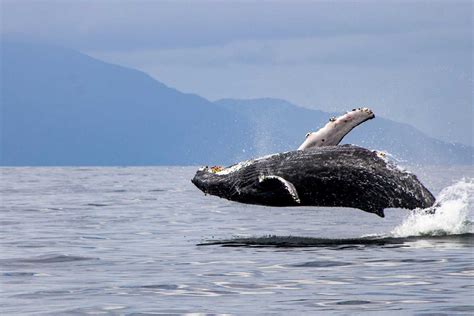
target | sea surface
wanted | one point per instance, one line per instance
(145, 241)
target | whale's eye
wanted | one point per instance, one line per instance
(322, 140)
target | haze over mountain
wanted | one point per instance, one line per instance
(61, 107)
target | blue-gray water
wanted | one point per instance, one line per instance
(127, 241)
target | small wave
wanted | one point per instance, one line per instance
(336, 244)
(451, 215)
(46, 259)
(157, 190)
(18, 274)
(292, 241)
(321, 264)
(56, 259)
(353, 302)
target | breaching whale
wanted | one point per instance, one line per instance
(320, 173)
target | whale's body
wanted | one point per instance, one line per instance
(345, 176)
(320, 173)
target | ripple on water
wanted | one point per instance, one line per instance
(321, 264)
(353, 302)
(18, 274)
(46, 259)
(174, 290)
(160, 286)
(96, 204)
(340, 244)
(138, 256)
(460, 308)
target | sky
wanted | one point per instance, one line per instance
(410, 61)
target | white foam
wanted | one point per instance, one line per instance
(235, 167)
(451, 215)
(243, 164)
(392, 161)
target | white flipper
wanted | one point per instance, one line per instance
(335, 130)
(289, 187)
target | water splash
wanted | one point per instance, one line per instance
(451, 215)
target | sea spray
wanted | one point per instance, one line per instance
(451, 215)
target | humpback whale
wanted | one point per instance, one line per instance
(320, 173)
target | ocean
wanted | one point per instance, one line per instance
(145, 241)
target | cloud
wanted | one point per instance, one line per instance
(392, 50)
(127, 25)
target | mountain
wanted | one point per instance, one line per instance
(282, 126)
(61, 107)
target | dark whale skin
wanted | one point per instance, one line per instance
(343, 176)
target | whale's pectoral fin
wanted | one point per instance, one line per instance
(338, 127)
(278, 186)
